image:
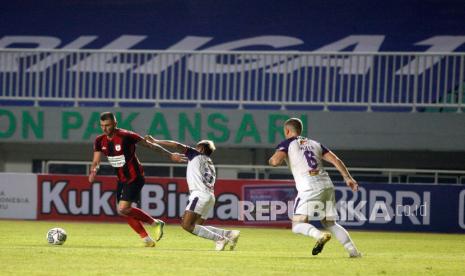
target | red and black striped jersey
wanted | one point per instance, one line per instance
(121, 153)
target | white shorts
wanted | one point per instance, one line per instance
(201, 203)
(316, 205)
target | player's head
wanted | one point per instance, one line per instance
(293, 127)
(107, 123)
(206, 147)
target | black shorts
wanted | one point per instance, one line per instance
(130, 191)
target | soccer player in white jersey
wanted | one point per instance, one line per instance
(315, 190)
(201, 176)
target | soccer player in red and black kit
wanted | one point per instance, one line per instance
(119, 145)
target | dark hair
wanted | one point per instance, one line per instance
(107, 116)
(208, 147)
(295, 124)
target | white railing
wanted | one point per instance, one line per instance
(369, 80)
(381, 175)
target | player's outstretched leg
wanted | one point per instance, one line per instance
(204, 232)
(135, 216)
(142, 216)
(231, 235)
(343, 237)
(192, 223)
(139, 229)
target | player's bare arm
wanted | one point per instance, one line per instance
(95, 165)
(175, 157)
(176, 146)
(277, 159)
(341, 167)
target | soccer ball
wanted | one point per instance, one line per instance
(56, 236)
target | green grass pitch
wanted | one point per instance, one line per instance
(113, 249)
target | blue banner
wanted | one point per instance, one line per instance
(402, 207)
(363, 25)
(393, 207)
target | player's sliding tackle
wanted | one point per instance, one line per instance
(201, 177)
(304, 157)
(119, 145)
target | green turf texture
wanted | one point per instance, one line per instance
(113, 249)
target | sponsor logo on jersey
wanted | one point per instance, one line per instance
(116, 161)
(314, 172)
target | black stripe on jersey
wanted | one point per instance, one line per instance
(111, 152)
(126, 149)
(135, 165)
(111, 148)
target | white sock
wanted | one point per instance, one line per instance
(307, 229)
(205, 233)
(147, 239)
(155, 222)
(342, 236)
(219, 231)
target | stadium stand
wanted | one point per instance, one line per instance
(266, 80)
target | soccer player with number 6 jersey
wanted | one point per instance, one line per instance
(119, 145)
(201, 176)
(315, 190)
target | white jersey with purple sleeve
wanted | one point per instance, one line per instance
(304, 157)
(201, 173)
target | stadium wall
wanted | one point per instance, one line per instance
(420, 208)
(241, 128)
(362, 139)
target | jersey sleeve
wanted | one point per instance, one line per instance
(98, 144)
(134, 137)
(324, 150)
(284, 145)
(191, 153)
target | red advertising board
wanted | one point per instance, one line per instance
(258, 203)
(238, 202)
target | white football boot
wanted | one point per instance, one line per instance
(234, 237)
(221, 244)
